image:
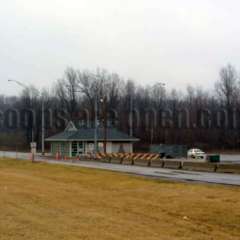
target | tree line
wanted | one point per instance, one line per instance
(153, 113)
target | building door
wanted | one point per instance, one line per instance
(81, 148)
(77, 148)
(74, 149)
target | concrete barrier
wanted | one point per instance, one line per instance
(141, 162)
(199, 166)
(86, 158)
(116, 160)
(228, 168)
(172, 164)
(105, 160)
(157, 163)
(127, 161)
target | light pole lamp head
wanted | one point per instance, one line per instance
(17, 82)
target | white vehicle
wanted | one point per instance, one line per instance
(196, 154)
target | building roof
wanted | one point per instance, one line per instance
(87, 134)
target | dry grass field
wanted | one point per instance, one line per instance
(50, 202)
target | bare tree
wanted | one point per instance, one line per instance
(67, 90)
(227, 86)
(79, 89)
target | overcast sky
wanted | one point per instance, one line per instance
(176, 42)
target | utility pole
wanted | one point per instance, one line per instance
(104, 101)
(43, 129)
(32, 134)
(96, 127)
(131, 117)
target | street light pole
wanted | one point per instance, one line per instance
(163, 95)
(43, 117)
(105, 123)
(96, 127)
(43, 129)
(95, 120)
(23, 86)
(17, 82)
(131, 116)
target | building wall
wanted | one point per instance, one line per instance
(113, 147)
(109, 147)
(64, 148)
(122, 147)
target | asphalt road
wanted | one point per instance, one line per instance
(160, 173)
